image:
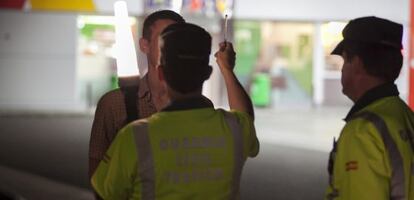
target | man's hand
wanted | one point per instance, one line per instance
(225, 57)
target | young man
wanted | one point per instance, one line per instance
(189, 150)
(373, 158)
(111, 115)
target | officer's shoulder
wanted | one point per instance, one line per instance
(130, 128)
(361, 128)
(241, 116)
(140, 122)
(359, 120)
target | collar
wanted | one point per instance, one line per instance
(381, 91)
(189, 103)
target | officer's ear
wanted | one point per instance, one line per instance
(144, 45)
(358, 65)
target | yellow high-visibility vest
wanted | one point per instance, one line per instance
(189, 154)
(374, 157)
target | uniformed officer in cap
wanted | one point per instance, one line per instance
(188, 150)
(373, 158)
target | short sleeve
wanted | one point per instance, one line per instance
(113, 179)
(250, 141)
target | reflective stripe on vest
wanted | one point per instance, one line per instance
(145, 160)
(145, 163)
(238, 151)
(397, 177)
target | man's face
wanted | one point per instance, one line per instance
(350, 75)
(153, 50)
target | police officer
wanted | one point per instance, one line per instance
(373, 158)
(189, 150)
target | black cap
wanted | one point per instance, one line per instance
(185, 56)
(371, 30)
(186, 43)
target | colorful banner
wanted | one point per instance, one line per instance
(15, 4)
(65, 5)
(135, 7)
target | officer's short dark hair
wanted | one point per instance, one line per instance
(158, 15)
(185, 56)
(377, 42)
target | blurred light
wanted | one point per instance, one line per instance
(126, 58)
(196, 5)
(221, 6)
(225, 7)
(81, 23)
(107, 20)
(336, 27)
(111, 52)
(209, 9)
(332, 33)
(176, 5)
(93, 47)
(227, 12)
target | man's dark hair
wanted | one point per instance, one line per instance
(379, 60)
(158, 15)
(185, 56)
